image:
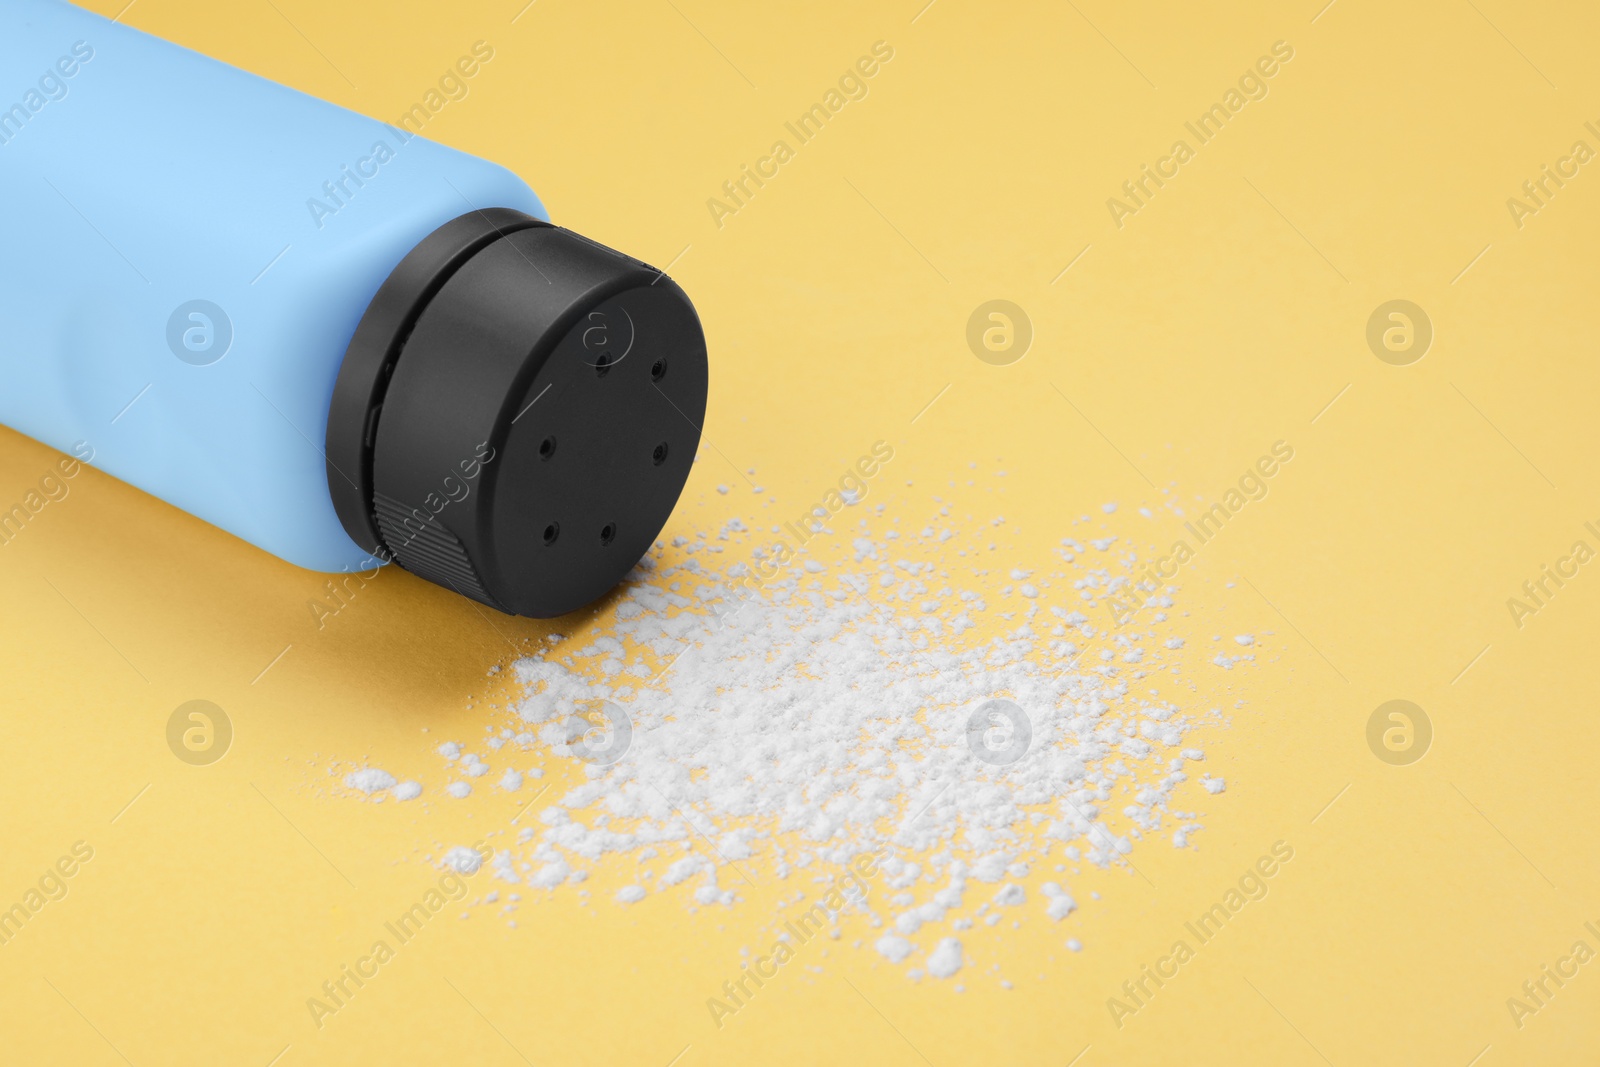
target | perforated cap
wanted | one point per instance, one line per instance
(517, 413)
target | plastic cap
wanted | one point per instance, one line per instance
(517, 413)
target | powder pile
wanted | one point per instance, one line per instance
(736, 731)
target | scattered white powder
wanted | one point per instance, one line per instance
(369, 780)
(407, 791)
(1213, 785)
(1245, 639)
(796, 727)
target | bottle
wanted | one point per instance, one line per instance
(327, 335)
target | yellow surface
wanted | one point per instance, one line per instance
(1226, 314)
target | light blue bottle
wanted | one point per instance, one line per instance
(188, 252)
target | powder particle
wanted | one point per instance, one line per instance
(369, 780)
(504, 870)
(682, 870)
(945, 960)
(463, 860)
(459, 790)
(1011, 894)
(893, 948)
(407, 791)
(1061, 903)
(552, 874)
(710, 893)
(990, 868)
(511, 781)
(1213, 785)
(630, 894)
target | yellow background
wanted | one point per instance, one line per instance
(1225, 315)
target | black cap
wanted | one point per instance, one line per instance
(517, 413)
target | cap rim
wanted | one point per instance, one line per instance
(375, 349)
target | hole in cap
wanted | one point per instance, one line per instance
(547, 448)
(608, 533)
(602, 364)
(660, 454)
(658, 370)
(551, 532)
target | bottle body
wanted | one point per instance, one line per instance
(188, 250)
